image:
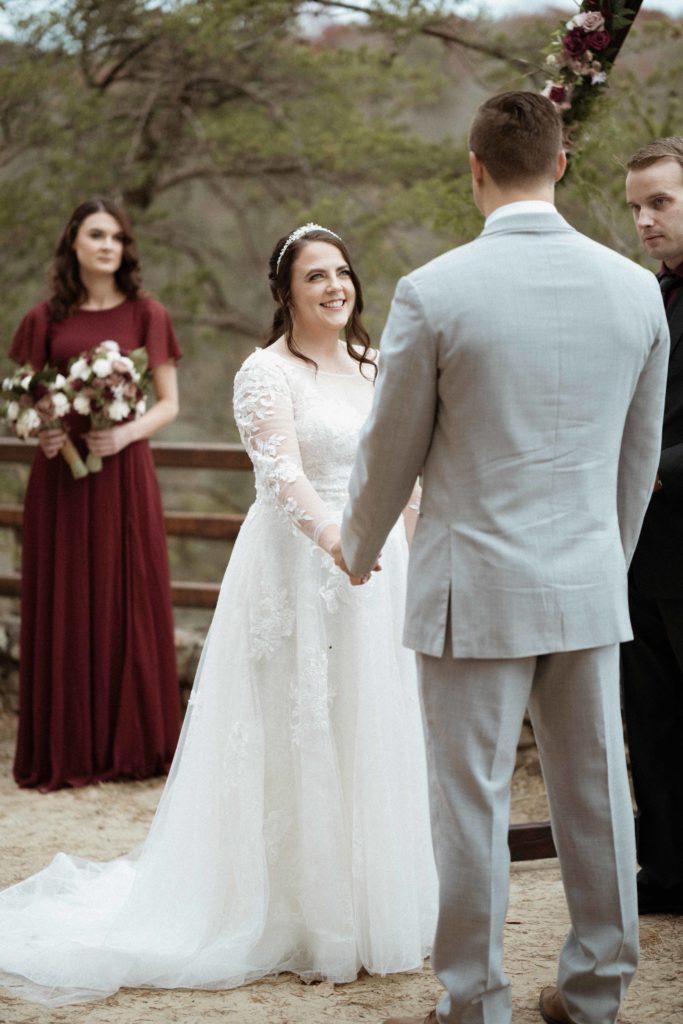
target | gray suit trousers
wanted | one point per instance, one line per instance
(473, 711)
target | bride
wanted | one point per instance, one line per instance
(293, 832)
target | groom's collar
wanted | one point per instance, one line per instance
(521, 206)
(525, 216)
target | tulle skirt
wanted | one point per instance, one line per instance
(293, 832)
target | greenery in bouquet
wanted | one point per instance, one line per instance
(582, 52)
(109, 387)
(40, 400)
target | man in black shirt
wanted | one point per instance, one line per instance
(653, 662)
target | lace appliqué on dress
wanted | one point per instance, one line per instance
(264, 414)
(270, 624)
(310, 698)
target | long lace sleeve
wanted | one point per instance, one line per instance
(265, 419)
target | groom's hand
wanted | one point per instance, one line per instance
(338, 557)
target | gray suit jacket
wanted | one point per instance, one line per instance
(523, 374)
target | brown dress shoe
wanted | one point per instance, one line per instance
(552, 1008)
(429, 1019)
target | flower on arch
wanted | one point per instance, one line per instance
(581, 52)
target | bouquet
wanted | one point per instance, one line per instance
(109, 387)
(40, 401)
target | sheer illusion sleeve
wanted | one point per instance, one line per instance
(265, 418)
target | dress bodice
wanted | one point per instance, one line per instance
(300, 427)
(133, 324)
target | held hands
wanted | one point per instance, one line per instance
(109, 441)
(356, 581)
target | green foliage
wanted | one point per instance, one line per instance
(200, 114)
(223, 124)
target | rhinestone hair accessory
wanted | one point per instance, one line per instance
(299, 233)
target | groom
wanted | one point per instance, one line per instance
(523, 375)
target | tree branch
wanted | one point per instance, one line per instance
(439, 30)
(243, 171)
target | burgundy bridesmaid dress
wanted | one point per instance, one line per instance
(99, 694)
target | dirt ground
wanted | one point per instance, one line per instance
(104, 821)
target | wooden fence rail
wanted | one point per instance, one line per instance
(203, 525)
(527, 842)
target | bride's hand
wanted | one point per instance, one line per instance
(356, 581)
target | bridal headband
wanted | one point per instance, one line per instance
(299, 233)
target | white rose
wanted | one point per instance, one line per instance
(80, 370)
(110, 346)
(60, 381)
(101, 367)
(60, 404)
(118, 410)
(141, 407)
(593, 21)
(27, 423)
(26, 382)
(82, 404)
(576, 22)
(12, 411)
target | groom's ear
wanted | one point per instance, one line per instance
(561, 165)
(477, 168)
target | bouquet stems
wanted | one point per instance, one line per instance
(73, 460)
(93, 463)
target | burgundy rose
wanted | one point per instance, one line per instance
(44, 407)
(598, 40)
(576, 42)
(557, 94)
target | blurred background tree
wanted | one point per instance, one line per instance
(223, 124)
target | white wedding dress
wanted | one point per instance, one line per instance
(293, 832)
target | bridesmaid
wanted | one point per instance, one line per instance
(98, 687)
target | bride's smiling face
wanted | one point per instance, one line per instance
(322, 293)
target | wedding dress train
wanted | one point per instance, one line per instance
(293, 831)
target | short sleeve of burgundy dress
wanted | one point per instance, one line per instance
(98, 693)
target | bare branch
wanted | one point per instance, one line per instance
(114, 72)
(222, 322)
(226, 315)
(243, 171)
(443, 31)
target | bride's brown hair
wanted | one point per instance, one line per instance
(68, 291)
(280, 279)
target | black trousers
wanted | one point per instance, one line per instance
(652, 675)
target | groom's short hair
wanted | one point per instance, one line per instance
(660, 149)
(518, 137)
